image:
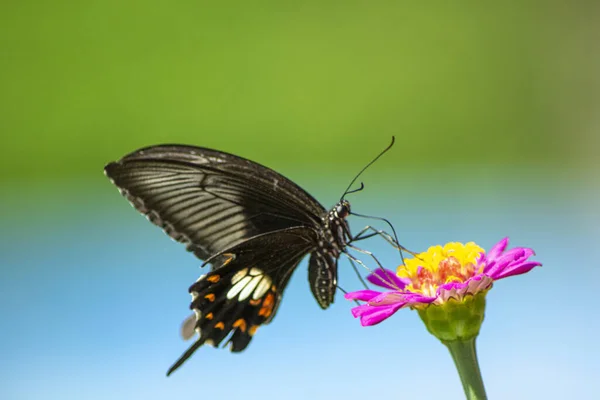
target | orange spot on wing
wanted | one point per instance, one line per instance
(254, 302)
(220, 325)
(240, 323)
(269, 300)
(210, 297)
(267, 306)
(209, 316)
(230, 259)
(214, 278)
(252, 330)
(265, 312)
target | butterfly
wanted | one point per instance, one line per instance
(250, 223)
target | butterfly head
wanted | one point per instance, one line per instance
(342, 209)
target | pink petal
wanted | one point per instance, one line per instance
(517, 270)
(510, 259)
(416, 299)
(362, 295)
(497, 249)
(516, 254)
(387, 298)
(377, 314)
(387, 279)
(457, 290)
(360, 310)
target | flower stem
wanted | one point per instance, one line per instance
(465, 358)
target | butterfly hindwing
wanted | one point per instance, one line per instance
(243, 293)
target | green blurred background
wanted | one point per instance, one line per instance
(467, 84)
(495, 108)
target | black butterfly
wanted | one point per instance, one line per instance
(253, 226)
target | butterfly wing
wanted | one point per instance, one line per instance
(237, 297)
(210, 200)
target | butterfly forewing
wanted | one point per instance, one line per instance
(210, 200)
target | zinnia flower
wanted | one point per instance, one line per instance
(455, 271)
(447, 286)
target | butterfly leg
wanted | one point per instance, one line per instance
(362, 235)
(352, 258)
(374, 232)
(356, 260)
(367, 253)
(358, 275)
(346, 292)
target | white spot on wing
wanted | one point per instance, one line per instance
(250, 287)
(238, 287)
(262, 288)
(255, 271)
(239, 275)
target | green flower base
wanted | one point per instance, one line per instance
(456, 323)
(455, 319)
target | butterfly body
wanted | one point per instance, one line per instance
(251, 224)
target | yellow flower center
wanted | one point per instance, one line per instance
(455, 262)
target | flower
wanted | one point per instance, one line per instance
(443, 276)
(447, 286)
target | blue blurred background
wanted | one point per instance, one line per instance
(495, 110)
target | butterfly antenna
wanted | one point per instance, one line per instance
(362, 186)
(347, 191)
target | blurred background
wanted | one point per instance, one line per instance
(495, 109)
